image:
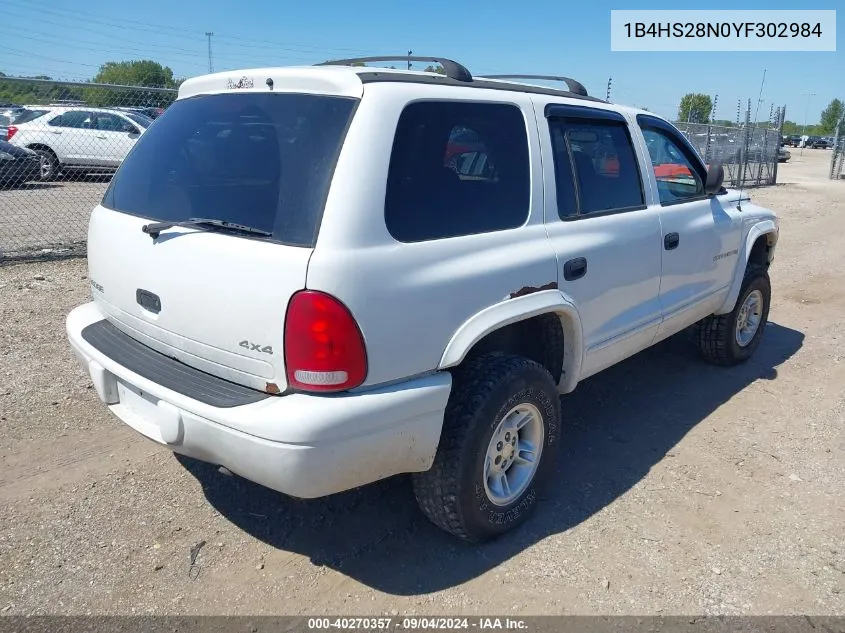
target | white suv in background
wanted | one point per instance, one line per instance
(79, 138)
(322, 277)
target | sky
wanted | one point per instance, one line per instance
(70, 40)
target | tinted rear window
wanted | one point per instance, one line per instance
(28, 115)
(262, 160)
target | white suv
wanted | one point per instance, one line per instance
(321, 277)
(79, 138)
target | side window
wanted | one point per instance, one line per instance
(600, 155)
(73, 119)
(567, 201)
(677, 175)
(457, 168)
(111, 123)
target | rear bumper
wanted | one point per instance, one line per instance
(302, 445)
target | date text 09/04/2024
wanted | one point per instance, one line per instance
(723, 29)
(378, 624)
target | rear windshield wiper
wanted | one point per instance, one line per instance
(155, 229)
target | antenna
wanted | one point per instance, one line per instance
(747, 132)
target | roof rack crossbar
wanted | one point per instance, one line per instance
(575, 87)
(453, 69)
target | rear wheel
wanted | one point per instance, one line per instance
(500, 436)
(730, 339)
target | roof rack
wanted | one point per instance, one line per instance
(453, 69)
(575, 87)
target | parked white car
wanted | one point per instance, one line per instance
(79, 138)
(321, 277)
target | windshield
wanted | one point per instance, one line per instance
(260, 160)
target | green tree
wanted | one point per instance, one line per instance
(831, 115)
(138, 74)
(25, 92)
(695, 108)
(435, 69)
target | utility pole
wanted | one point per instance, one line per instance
(409, 59)
(806, 114)
(208, 34)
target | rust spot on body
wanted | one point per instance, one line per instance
(527, 290)
(272, 388)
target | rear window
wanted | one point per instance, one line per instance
(261, 160)
(28, 115)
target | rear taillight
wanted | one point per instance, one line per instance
(324, 349)
(12, 131)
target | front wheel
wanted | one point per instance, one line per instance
(730, 339)
(500, 436)
(49, 165)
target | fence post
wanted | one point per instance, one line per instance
(781, 117)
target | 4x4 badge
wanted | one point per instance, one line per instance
(256, 347)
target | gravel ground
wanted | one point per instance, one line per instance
(42, 215)
(684, 488)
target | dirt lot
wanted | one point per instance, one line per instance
(684, 488)
(41, 215)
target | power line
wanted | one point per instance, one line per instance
(80, 28)
(126, 23)
(119, 49)
(193, 56)
(15, 51)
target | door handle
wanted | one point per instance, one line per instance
(99, 136)
(575, 268)
(671, 241)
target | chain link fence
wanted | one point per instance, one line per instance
(749, 154)
(79, 132)
(67, 139)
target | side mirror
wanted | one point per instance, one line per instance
(715, 178)
(130, 129)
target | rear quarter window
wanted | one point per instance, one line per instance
(260, 160)
(457, 168)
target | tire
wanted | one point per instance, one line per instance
(49, 165)
(491, 390)
(718, 337)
